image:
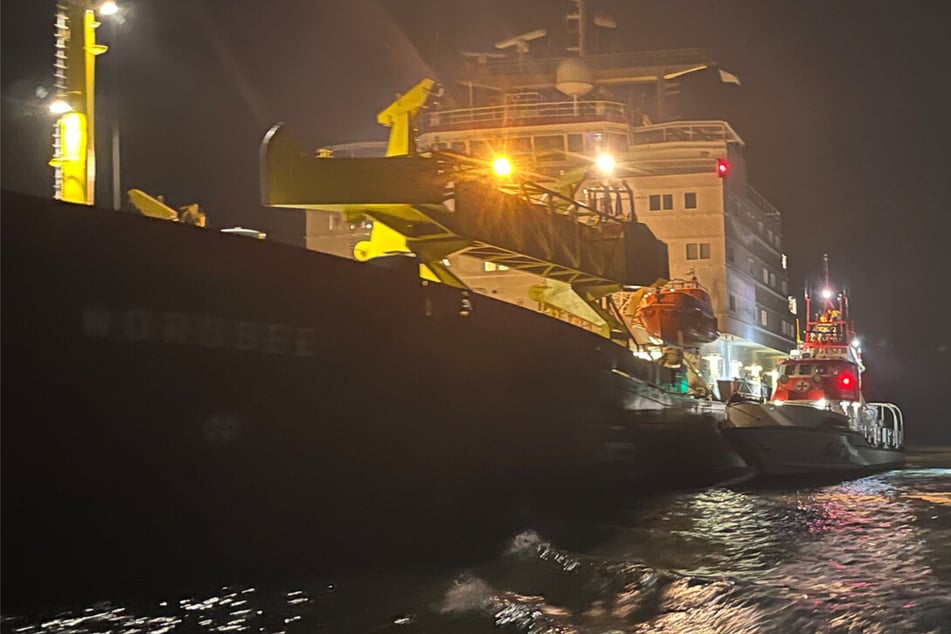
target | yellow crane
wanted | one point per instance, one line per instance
(155, 207)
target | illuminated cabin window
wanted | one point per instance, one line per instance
(492, 266)
(763, 317)
(765, 275)
(690, 200)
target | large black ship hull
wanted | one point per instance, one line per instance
(179, 392)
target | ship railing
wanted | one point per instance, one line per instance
(762, 203)
(515, 114)
(610, 61)
(887, 429)
(686, 131)
(607, 205)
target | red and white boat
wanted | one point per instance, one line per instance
(818, 421)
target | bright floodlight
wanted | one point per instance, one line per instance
(108, 8)
(826, 293)
(60, 106)
(605, 163)
(502, 166)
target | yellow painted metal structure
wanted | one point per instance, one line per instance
(436, 206)
(74, 136)
(156, 208)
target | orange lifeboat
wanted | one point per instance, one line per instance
(681, 315)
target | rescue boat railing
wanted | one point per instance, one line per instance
(888, 428)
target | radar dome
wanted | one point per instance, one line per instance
(573, 77)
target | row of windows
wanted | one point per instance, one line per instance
(788, 329)
(538, 145)
(658, 202)
(766, 233)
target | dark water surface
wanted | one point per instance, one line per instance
(869, 555)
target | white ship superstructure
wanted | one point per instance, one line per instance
(554, 119)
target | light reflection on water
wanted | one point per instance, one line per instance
(871, 555)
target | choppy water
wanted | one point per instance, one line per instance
(870, 555)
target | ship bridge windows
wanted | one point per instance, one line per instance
(618, 143)
(576, 143)
(550, 143)
(518, 145)
(690, 200)
(480, 149)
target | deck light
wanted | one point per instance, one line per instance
(502, 166)
(723, 167)
(826, 293)
(108, 8)
(605, 163)
(846, 381)
(60, 106)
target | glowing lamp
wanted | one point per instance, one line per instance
(846, 381)
(60, 106)
(826, 293)
(502, 166)
(723, 167)
(108, 8)
(605, 163)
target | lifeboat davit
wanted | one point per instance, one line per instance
(681, 316)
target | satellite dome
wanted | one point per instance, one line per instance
(573, 77)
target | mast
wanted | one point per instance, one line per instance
(74, 150)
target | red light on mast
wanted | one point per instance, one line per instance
(723, 167)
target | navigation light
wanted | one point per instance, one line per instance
(723, 167)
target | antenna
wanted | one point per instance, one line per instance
(580, 15)
(482, 58)
(520, 42)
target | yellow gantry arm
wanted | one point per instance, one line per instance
(398, 116)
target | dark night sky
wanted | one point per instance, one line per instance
(842, 107)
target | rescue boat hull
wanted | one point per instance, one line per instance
(801, 440)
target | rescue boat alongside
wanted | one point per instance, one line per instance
(818, 421)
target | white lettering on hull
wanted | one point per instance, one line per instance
(142, 325)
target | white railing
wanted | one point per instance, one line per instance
(888, 428)
(521, 113)
(686, 131)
